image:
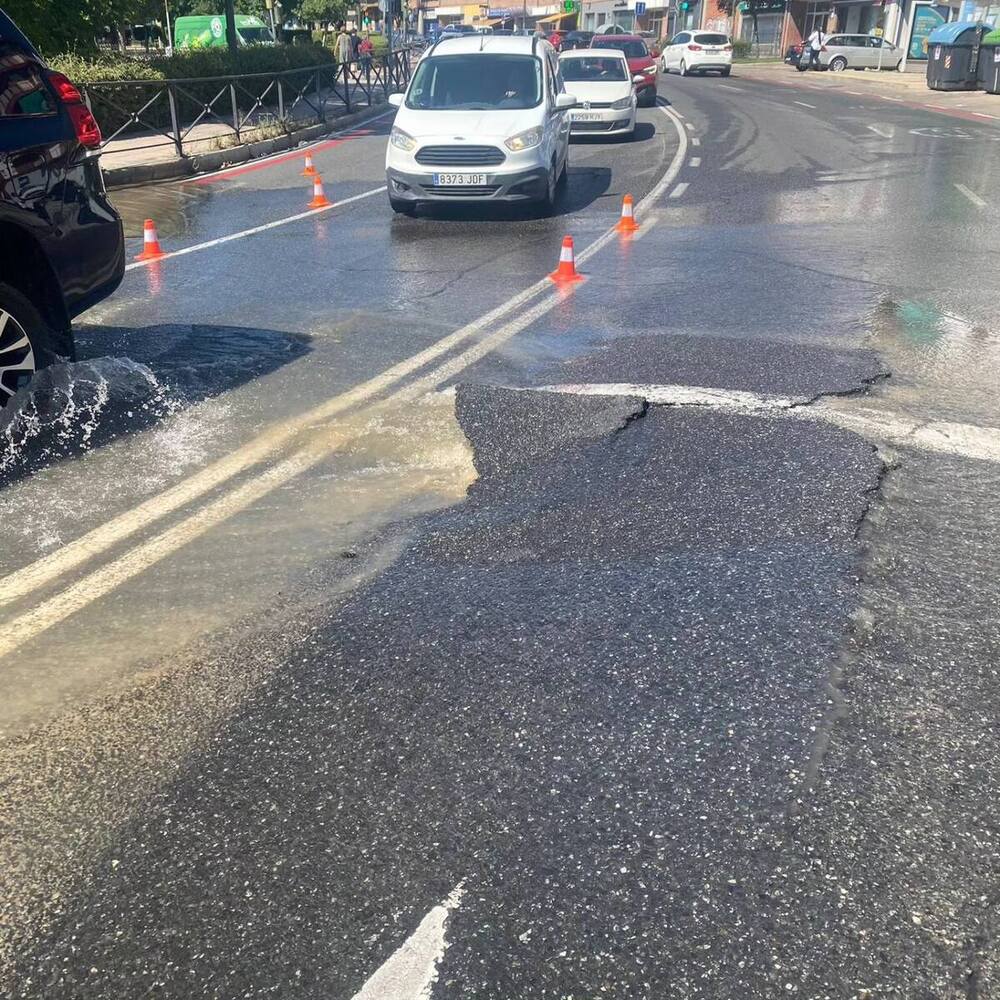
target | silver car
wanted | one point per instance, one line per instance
(859, 52)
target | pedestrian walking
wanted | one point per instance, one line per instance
(365, 50)
(343, 47)
(815, 43)
(355, 44)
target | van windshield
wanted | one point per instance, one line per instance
(255, 36)
(476, 82)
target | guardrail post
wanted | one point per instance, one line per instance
(347, 87)
(175, 126)
(281, 100)
(236, 109)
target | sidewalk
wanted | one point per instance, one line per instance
(909, 89)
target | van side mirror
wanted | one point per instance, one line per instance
(565, 101)
(396, 100)
(638, 79)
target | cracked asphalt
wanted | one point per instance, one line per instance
(691, 701)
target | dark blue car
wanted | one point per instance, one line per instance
(61, 242)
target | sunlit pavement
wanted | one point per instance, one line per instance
(412, 629)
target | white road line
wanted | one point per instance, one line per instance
(937, 107)
(679, 190)
(688, 125)
(695, 141)
(898, 100)
(256, 229)
(410, 972)
(879, 131)
(982, 114)
(971, 195)
(965, 440)
(804, 105)
(729, 86)
(854, 93)
(101, 581)
(680, 395)
(695, 161)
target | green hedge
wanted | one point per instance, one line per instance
(741, 48)
(196, 62)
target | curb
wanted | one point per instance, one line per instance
(203, 163)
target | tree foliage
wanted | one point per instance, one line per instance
(322, 11)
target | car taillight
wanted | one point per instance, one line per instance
(695, 48)
(84, 123)
(727, 48)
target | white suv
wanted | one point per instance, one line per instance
(698, 52)
(485, 118)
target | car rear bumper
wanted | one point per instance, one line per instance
(521, 185)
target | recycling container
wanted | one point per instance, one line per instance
(989, 63)
(953, 52)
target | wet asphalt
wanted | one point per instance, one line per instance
(693, 703)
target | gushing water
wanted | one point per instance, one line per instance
(70, 408)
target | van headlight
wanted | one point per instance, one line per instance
(401, 140)
(623, 104)
(524, 140)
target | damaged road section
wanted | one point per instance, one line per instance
(587, 693)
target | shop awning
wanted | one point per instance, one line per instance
(489, 22)
(554, 18)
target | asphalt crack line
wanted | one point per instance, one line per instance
(99, 582)
(981, 443)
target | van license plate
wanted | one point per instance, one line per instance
(459, 180)
(584, 117)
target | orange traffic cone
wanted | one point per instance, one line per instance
(566, 271)
(150, 242)
(319, 199)
(309, 169)
(627, 223)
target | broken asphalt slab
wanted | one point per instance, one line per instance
(586, 691)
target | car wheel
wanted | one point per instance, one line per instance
(547, 203)
(402, 207)
(683, 68)
(563, 179)
(24, 340)
(899, 66)
(837, 65)
(801, 67)
(727, 71)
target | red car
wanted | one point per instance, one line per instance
(642, 62)
(555, 40)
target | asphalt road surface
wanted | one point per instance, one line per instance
(381, 621)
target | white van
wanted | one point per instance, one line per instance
(485, 118)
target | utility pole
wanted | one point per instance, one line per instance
(166, 13)
(231, 27)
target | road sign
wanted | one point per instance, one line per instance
(640, 8)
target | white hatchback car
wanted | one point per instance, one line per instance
(698, 52)
(604, 89)
(485, 118)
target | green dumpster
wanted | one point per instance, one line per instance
(989, 63)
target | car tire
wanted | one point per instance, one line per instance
(899, 66)
(547, 203)
(24, 341)
(727, 71)
(683, 69)
(837, 65)
(801, 68)
(402, 207)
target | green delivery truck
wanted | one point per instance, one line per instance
(209, 31)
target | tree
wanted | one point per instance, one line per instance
(751, 7)
(322, 11)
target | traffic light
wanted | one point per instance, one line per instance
(684, 5)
